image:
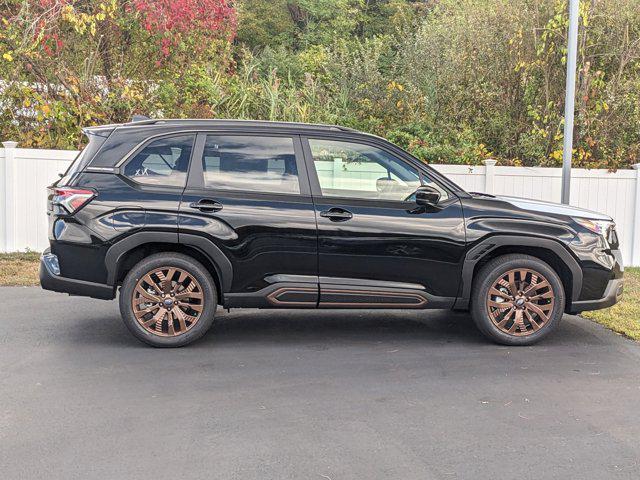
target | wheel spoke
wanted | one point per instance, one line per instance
(498, 293)
(196, 307)
(512, 283)
(183, 295)
(533, 323)
(171, 327)
(166, 283)
(505, 319)
(158, 317)
(147, 278)
(538, 311)
(144, 311)
(501, 305)
(540, 296)
(180, 316)
(147, 295)
(181, 278)
(520, 321)
(535, 288)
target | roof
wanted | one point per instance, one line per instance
(195, 122)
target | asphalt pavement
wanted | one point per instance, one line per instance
(309, 395)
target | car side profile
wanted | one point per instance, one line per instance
(184, 216)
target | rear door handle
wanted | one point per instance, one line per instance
(207, 205)
(336, 214)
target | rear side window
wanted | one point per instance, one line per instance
(250, 163)
(84, 157)
(164, 161)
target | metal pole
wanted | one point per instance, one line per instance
(569, 100)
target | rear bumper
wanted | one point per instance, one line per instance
(50, 279)
(612, 294)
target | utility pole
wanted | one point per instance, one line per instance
(569, 100)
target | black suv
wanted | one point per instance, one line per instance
(187, 215)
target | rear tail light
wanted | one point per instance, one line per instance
(71, 199)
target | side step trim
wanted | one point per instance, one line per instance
(300, 291)
(294, 296)
(350, 297)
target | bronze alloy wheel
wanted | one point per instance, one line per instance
(520, 302)
(167, 301)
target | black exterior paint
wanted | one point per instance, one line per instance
(599, 263)
(277, 250)
(389, 240)
(261, 234)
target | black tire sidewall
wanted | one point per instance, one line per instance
(169, 259)
(488, 275)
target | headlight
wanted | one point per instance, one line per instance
(601, 227)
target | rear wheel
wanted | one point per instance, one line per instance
(168, 300)
(517, 299)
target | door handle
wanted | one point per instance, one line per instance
(337, 214)
(207, 205)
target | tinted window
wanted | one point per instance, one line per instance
(86, 155)
(355, 170)
(162, 162)
(248, 163)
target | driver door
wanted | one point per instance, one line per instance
(376, 246)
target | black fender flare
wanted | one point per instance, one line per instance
(118, 250)
(484, 247)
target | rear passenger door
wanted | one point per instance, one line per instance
(156, 174)
(248, 195)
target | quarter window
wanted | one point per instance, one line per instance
(164, 161)
(355, 170)
(249, 163)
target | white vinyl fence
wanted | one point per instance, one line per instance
(25, 174)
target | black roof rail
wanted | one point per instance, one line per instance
(142, 120)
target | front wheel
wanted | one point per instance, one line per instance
(168, 300)
(517, 299)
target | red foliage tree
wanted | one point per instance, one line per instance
(171, 20)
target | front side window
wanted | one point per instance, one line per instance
(250, 163)
(355, 170)
(164, 161)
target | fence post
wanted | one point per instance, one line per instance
(489, 173)
(3, 206)
(635, 238)
(8, 185)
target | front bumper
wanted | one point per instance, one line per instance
(612, 294)
(50, 279)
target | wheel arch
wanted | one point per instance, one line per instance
(121, 256)
(550, 251)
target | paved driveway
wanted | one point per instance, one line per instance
(309, 395)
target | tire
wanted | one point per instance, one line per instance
(538, 303)
(185, 312)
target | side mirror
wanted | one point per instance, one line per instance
(427, 196)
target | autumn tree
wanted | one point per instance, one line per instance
(74, 62)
